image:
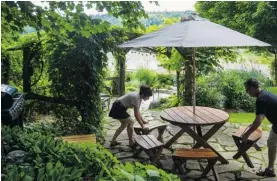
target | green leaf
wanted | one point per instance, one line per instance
(128, 175)
(37, 149)
(49, 166)
(27, 178)
(69, 27)
(85, 33)
(153, 173)
(139, 178)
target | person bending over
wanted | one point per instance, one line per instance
(119, 111)
(266, 106)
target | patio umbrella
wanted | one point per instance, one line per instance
(192, 33)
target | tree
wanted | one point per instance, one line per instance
(207, 59)
(74, 45)
(255, 18)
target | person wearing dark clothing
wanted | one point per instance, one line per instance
(266, 106)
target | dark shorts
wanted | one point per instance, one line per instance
(118, 111)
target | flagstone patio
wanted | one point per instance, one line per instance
(221, 141)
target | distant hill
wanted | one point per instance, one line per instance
(154, 18)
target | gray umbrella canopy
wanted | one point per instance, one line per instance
(194, 33)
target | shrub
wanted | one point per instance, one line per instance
(209, 96)
(168, 102)
(227, 87)
(163, 80)
(145, 76)
(50, 159)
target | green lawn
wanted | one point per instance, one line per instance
(273, 90)
(247, 118)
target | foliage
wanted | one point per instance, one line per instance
(50, 159)
(145, 76)
(73, 48)
(163, 80)
(171, 101)
(207, 95)
(148, 77)
(230, 85)
(153, 19)
(257, 19)
(133, 85)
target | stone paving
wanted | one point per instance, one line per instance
(221, 141)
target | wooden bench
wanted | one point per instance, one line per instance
(181, 155)
(152, 147)
(151, 126)
(251, 141)
(79, 138)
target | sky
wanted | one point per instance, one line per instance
(169, 5)
(163, 6)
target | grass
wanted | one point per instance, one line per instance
(273, 90)
(247, 118)
(257, 59)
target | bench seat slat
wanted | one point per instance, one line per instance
(149, 141)
(253, 137)
(80, 138)
(195, 153)
(140, 141)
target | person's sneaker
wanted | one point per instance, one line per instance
(266, 173)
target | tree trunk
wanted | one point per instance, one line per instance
(188, 95)
(188, 79)
(5, 68)
(122, 76)
(178, 84)
(27, 70)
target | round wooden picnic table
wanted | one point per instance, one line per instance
(185, 118)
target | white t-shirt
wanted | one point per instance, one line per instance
(130, 100)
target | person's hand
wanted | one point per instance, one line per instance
(145, 122)
(145, 129)
(244, 138)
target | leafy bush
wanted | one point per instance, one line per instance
(149, 77)
(209, 96)
(163, 80)
(133, 85)
(228, 87)
(168, 102)
(145, 76)
(53, 159)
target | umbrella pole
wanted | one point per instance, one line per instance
(194, 77)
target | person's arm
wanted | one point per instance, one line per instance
(260, 114)
(256, 123)
(138, 116)
(142, 119)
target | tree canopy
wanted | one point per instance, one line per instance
(255, 18)
(72, 46)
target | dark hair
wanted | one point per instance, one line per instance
(252, 82)
(145, 90)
